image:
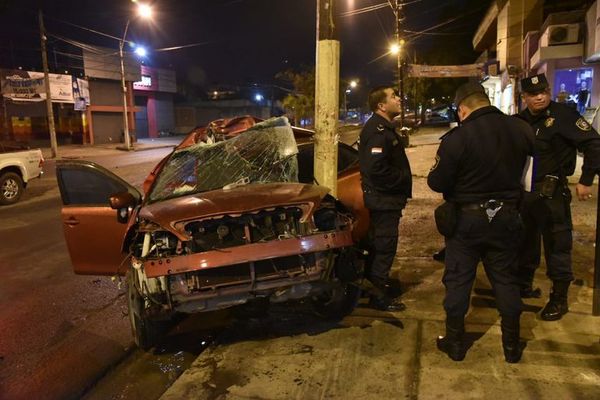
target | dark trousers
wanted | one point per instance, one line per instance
(496, 243)
(383, 235)
(550, 220)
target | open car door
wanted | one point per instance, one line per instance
(93, 234)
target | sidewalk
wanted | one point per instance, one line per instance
(82, 151)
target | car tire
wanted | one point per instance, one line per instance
(336, 303)
(11, 188)
(146, 332)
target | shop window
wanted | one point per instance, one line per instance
(574, 88)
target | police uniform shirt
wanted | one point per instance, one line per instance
(559, 132)
(482, 159)
(384, 167)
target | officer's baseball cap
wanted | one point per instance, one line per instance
(467, 90)
(534, 84)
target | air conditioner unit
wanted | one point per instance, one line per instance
(556, 35)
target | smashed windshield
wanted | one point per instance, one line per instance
(264, 153)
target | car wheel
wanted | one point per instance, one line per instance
(146, 332)
(336, 302)
(11, 188)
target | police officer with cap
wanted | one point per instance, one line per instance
(386, 184)
(559, 133)
(478, 168)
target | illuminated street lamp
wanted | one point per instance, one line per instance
(144, 11)
(351, 85)
(141, 51)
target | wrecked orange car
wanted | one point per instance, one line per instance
(219, 225)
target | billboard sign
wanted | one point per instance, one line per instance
(81, 94)
(19, 85)
(445, 71)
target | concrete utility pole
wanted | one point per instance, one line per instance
(327, 86)
(398, 13)
(126, 137)
(53, 143)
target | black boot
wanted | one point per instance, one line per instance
(388, 288)
(511, 342)
(452, 344)
(385, 303)
(526, 284)
(557, 305)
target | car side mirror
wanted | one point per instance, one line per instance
(121, 202)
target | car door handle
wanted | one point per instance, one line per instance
(72, 221)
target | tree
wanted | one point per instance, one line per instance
(301, 102)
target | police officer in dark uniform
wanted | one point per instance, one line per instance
(559, 132)
(387, 184)
(478, 169)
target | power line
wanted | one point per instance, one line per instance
(375, 8)
(364, 10)
(86, 29)
(424, 31)
(185, 46)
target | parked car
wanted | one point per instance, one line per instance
(440, 115)
(18, 165)
(220, 225)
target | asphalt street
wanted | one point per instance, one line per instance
(58, 330)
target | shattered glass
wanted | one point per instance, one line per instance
(265, 153)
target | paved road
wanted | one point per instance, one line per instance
(58, 331)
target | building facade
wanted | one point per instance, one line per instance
(526, 37)
(154, 93)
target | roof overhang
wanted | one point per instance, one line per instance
(486, 32)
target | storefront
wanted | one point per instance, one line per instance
(153, 93)
(24, 114)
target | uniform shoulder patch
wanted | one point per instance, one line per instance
(376, 150)
(583, 125)
(380, 127)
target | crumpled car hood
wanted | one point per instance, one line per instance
(241, 199)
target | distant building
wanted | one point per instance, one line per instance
(24, 115)
(226, 101)
(88, 110)
(520, 38)
(154, 93)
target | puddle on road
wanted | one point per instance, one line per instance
(147, 375)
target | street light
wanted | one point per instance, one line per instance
(144, 11)
(141, 51)
(351, 85)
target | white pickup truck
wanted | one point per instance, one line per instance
(18, 165)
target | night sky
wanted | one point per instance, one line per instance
(244, 41)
